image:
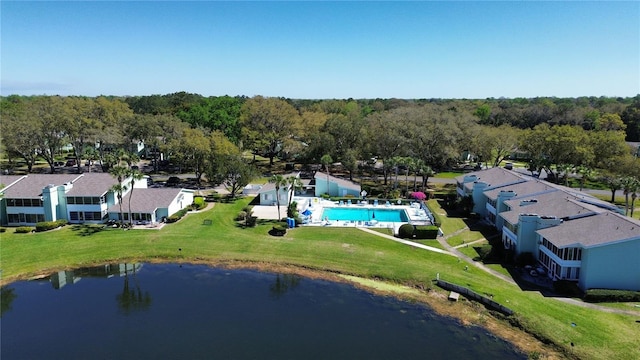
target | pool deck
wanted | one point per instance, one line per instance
(416, 215)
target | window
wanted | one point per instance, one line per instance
(13, 218)
(92, 215)
(71, 200)
(95, 201)
(87, 200)
(73, 216)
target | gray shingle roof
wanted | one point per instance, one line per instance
(521, 189)
(7, 180)
(495, 177)
(92, 184)
(31, 185)
(341, 182)
(147, 200)
(557, 203)
(592, 231)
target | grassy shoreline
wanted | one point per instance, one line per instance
(327, 253)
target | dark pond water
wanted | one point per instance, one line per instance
(196, 312)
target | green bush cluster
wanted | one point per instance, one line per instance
(405, 231)
(242, 216)
(177, 216)
(50, 225)
(213, 197)
(426, 232)
(422, 232)
(279, 229)
(23, 230)
(3, 230)
(605, 295)
(198, 203)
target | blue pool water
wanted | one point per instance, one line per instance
(364, 214)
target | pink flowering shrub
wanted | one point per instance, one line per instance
(418, 195)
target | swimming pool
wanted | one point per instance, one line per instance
(364, 214)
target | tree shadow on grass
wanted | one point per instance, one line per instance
(88, 229)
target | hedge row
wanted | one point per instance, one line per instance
(177, 216)
(605, 295)
(23, 230)
(421, 232)
(50, 225)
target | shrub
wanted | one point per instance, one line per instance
(605, 295)
(46, 225)
(325, 196)
(50, 225)
(418, 195)
(405, 231)
(426, 232)
(213, 197)
(173, 218)
(394, 194)
(199, 203)
(23, 230)
(242, 215)
(177, 216)
(292, 210)
(250, 221)
(279, 229)
(3, 230)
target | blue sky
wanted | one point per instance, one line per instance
(318, 50)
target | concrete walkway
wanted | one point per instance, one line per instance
(443, 241)
(450, 250)
(406, 242)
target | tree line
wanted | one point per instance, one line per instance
(208, 135)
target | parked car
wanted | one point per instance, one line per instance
(71, 162)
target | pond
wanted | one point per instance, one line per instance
(169, 311)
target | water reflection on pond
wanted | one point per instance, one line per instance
(192, 311)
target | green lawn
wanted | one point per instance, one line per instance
(598, 335)
(464, 238)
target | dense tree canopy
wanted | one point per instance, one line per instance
(207, 135)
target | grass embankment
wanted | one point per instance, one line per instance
(597, 335)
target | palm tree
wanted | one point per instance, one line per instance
(326, 160)
(409, 164)
(629, 186)
(294, 184)
(634, 195)
(396, 161)
(120, 173)
(585, 174)
(417, 167)
(426, 172)
(134, 175)
(614, 183)
(565, 169)
(119, 189)
(279, 181)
